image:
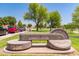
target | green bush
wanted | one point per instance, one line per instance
(20, 25)
(10, 26)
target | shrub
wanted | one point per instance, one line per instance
(20, 25)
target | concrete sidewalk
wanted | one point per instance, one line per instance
(40, 50)
(9, 35)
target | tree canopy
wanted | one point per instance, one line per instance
(20, 25)
(54, 19)
(1, 23)
(29, 25)
(9, 20)
(37, 13)
(75, 17)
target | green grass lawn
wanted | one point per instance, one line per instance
(4, 41)
(73, 34)
(75, 43)
(41, 30)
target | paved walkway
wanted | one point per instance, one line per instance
(40, 50)
(76, 31)
(9, 35)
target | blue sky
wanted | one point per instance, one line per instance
(18, 9)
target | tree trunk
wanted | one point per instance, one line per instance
(51, 26)
(37, 26)
(40, 28)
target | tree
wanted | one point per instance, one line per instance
(42, 16)
(5, 21)
(54, 19)
(70, 27)
(20, 25)
(9, 20)
(37, 13)
(1, 23)
(40, 25)
(29, 25)
(75, 17)
(24, 25)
